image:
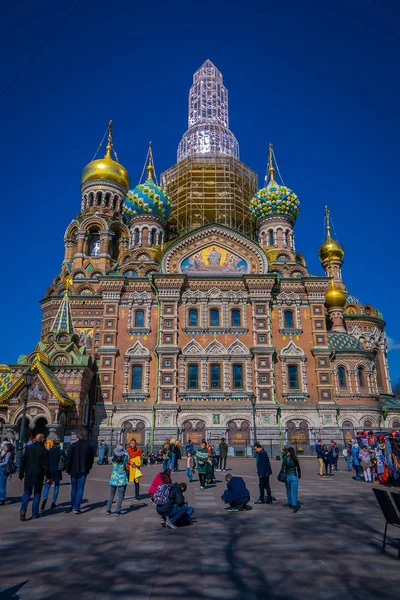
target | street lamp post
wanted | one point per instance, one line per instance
(28, 380)
(253, 404)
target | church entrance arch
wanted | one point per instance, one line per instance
(28, 431)
(40, 427)
(239, 435)
(298, 435)
(195, 431)
(134, 430)
(348, 431)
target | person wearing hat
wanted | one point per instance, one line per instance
(57, 462)
(119, 479)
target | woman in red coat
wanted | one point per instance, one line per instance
(157, 481)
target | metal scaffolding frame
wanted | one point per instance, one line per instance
(212, 189)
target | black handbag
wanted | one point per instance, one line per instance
(282, 475)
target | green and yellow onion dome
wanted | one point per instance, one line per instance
(147, 198)
(274, 200)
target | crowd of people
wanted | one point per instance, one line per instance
(373, 458)
(43, 465)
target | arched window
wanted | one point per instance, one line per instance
(94, 244)
(193, 317)
(139, 318)
(193, 377)
(137, 237)
(361, 376)
(237, 377)
(214, 317)
(215, 377)
(236, 320)
(342, 377)
(288, 320)
(287, 238)
(152, 237)
(270, 237)
(137, 377)
(293, 377)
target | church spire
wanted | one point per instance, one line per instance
(208, 124)
(271, 169)
(150, 163)
(331, 253)
(63, 321)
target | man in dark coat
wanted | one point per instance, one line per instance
(55, 456)
(263, 471)
(34, 466)
(79, 463)
(223, 453)
(236, 494)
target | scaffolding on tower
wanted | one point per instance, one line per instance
(209, 183)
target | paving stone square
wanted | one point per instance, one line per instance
(330, 549)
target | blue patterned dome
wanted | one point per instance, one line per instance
(147, 198)
(274, 200)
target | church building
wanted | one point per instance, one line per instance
(183, 309)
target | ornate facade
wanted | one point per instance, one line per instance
(186, 310)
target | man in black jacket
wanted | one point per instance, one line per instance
(263, 471)
(33, 467)
(79, 463)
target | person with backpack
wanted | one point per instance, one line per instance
(57, 463)
(118, 480)
(7, 468)
(156, 482)
(170, 503)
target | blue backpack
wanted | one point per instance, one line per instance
(162, 493)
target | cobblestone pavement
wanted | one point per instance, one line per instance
(330, 549)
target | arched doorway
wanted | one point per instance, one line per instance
(27, 432)
(239, 436)
(348, 431)
(40, 427)
(298, 435)
(134, 431)
(195, 431)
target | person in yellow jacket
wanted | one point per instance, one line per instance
(135, 459)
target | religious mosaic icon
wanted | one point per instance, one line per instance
(214, 259)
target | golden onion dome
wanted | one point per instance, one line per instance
(106, 168)
(334, 297)
(330, 249)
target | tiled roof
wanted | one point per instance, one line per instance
(343, 341)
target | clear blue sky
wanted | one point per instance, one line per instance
(318, 79)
